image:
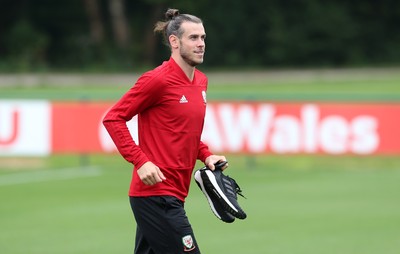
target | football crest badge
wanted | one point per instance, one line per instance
(204, 96)
(188, 244)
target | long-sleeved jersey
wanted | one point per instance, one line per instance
(171, 111)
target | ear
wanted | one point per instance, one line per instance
(173, 41)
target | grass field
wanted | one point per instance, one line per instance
(299, 204)
(295, 204)
(364, 85)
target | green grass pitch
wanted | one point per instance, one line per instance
(295, 204)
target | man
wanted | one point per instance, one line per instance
(170, 102)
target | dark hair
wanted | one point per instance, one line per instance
(172, 24)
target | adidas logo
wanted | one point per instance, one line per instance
(183, 99)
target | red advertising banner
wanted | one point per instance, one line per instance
(284, 128)
(38, 128)
(76, 126)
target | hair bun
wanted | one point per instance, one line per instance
(171, 13)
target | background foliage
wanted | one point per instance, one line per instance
(116, 35)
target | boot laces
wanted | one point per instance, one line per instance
(238, 190)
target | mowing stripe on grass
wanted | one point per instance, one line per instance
(49, 175)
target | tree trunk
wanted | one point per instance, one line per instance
(95, 21)
(150, 38)
(119, 23)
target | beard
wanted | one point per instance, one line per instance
(190, 58)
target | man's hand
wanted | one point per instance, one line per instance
(150, 174)
(212, 159)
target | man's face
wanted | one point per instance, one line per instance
(192, 43)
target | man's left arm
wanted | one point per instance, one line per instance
(208, 158)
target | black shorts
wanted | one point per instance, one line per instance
(162, 226)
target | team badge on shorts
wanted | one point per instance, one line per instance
(188, 244)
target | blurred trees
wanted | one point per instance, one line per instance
(95, 20)
(117, 35)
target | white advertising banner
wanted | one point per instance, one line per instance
(25, 127)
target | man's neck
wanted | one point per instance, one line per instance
(187, 69)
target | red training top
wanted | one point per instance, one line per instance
(171, 111)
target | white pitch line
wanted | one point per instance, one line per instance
(48, 175)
